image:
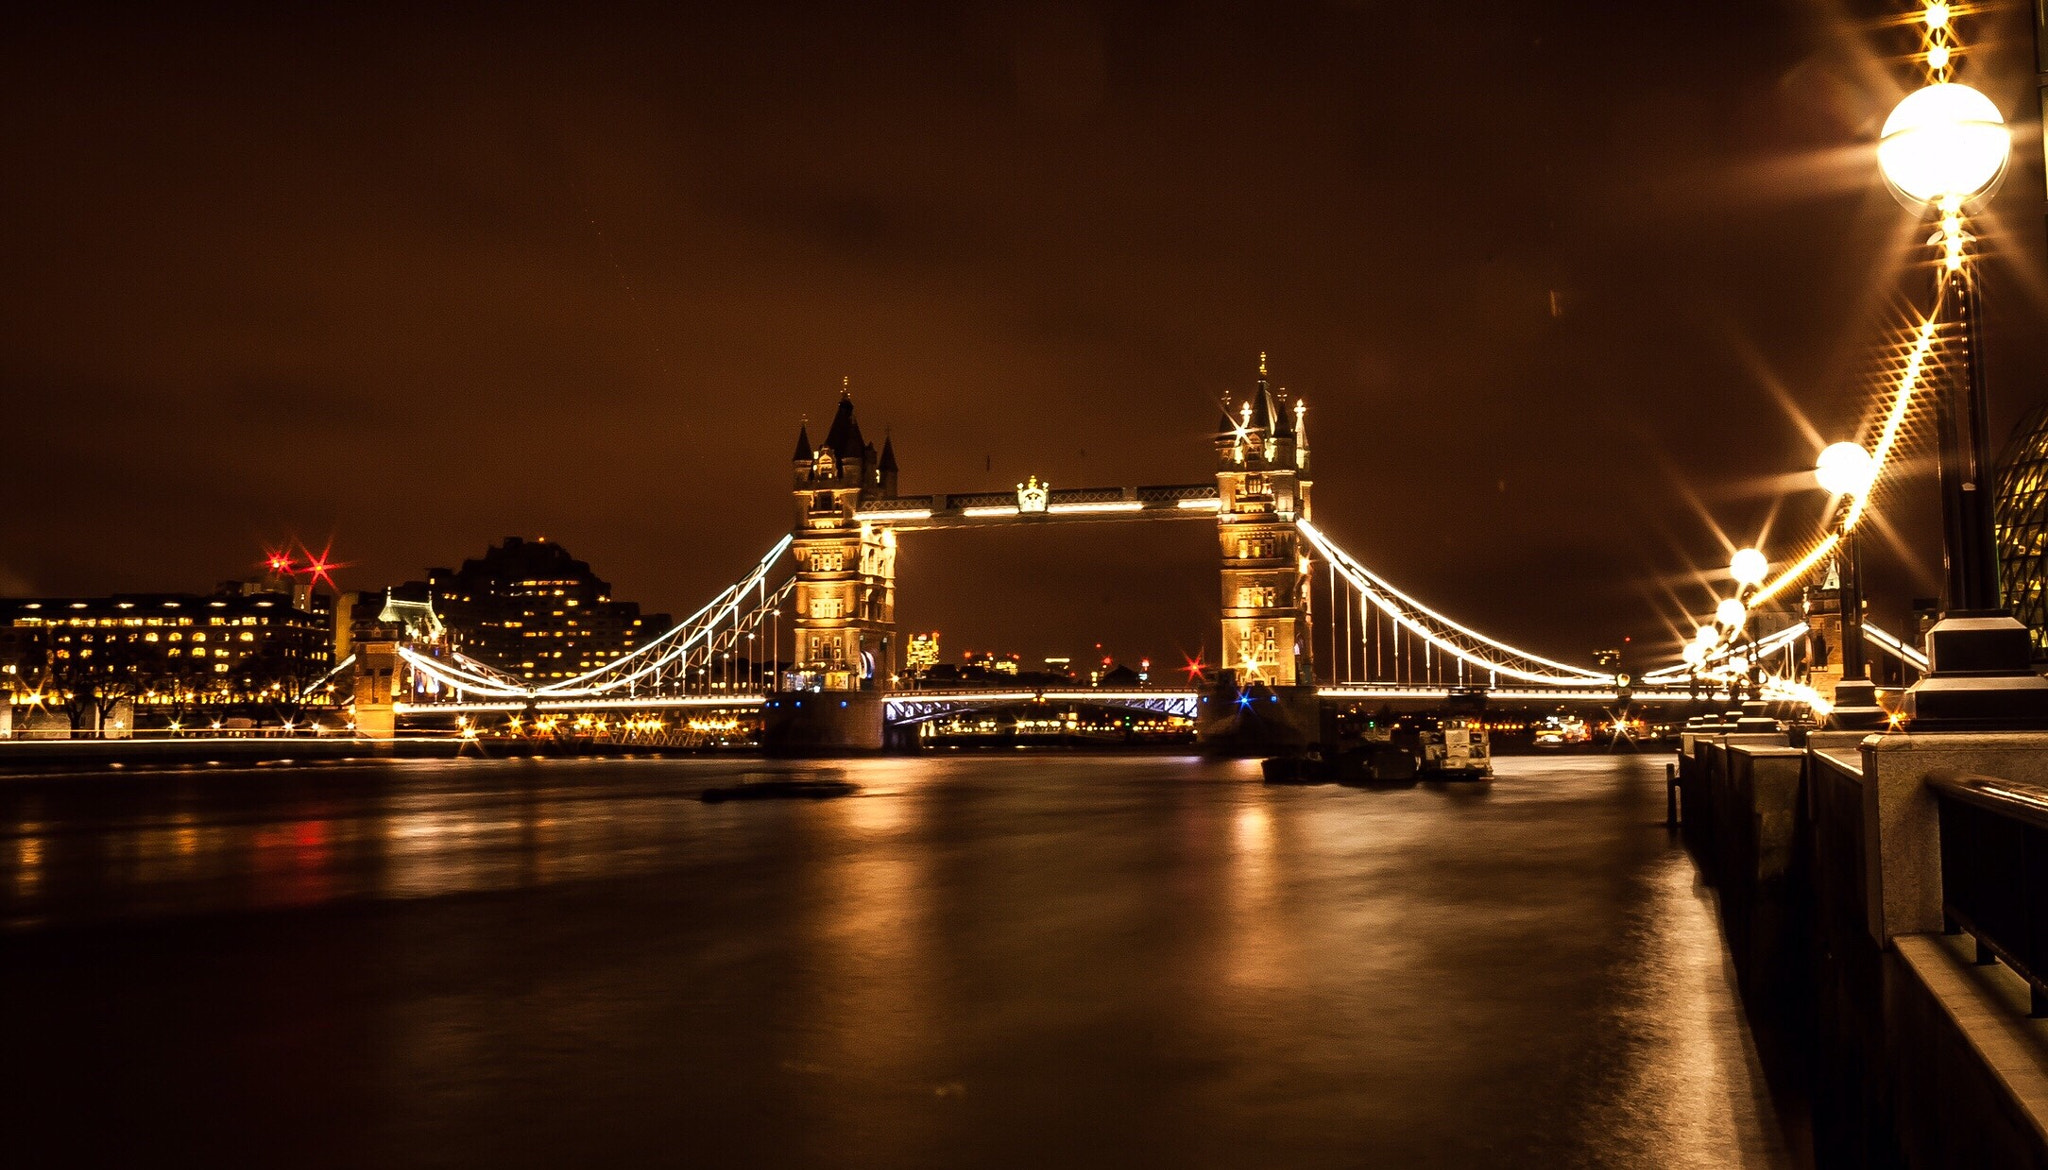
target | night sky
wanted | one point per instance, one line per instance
(1550, 277)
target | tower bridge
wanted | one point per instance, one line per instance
(848, 514)
(1305, 626)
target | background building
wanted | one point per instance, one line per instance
(530, 609)
(399, 613)
(167, 654)
(2020, 516)
(920, 653)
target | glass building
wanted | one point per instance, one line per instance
(2021, 516)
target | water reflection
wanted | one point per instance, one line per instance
(1686, 1085)
(28, 864)
(225, 838)
(978, 961)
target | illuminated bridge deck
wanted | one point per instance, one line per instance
(916, 706)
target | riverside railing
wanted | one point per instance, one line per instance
(1994, 871)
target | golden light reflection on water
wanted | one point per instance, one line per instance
(28, 867)
(868, 947)
(426, 852)
(1689, 1091)
(1255, 951)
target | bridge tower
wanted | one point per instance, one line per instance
(845, 570)
(1262, 477)
(845, 598)
(1265, 695)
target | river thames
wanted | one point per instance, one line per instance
(1028, 960)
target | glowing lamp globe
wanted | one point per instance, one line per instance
(1730, 613)
(1845, 469)
(1944, 141)
(1693, 654)
(1749, 567)
(1706, 636)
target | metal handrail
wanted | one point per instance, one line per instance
(1994, 847)
(2012, 798)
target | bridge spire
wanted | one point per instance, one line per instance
(886, 472)
(1262, 412)
(844, 437)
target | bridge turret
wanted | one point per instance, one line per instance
(1229, 432)
(1263, 485)
(1286, 417)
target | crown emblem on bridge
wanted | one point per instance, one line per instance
(1031, 497)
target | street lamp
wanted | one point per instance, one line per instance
(1749, 568)
(1731, 613)
(1944, 141)
(1943, 148)
(1846, 471)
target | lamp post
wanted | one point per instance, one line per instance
(1846, 471)
(1749, 568)
(1699, 654)
(2041, 70)
(1944, 147)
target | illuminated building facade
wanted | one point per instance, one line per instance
(1262, 478)
(921, 653)
(2020, 520)
(530, 609)
(164, 648)
(845, 568)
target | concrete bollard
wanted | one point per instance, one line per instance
(1671, 795)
